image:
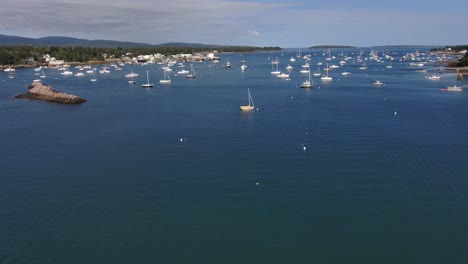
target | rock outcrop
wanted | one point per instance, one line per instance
(40, 91)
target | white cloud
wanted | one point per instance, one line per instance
(254, 32)
(225, 22)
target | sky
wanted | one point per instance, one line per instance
(287, 24)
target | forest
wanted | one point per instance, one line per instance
(21, 55)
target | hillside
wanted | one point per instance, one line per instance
(6, 40)
(332, 47)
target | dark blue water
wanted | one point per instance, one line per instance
(110, 181)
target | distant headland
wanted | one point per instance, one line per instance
(332, 47)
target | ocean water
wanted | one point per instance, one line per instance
(343, 173)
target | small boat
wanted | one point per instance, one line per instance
(275, 62)
(326, 78)
(243, 67)
(282, 75)
(307, 83)
(453, 88)
(378, 83)
(131, 75)
(67, 72)
(166, 79)
(433, 77)
(305, 68)
(250, 105)
(79, 74)
(94, 77)
(192, 74)
(43, 74)
(289, 68)
(182, 71)
(147, 84)
(317, 73)
(345, 73)
(227, 65)
(9, 69)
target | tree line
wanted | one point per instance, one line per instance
(18, 55)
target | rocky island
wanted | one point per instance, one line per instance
(40, 91)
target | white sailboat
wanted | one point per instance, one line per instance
(326, 78)
(192, 72)
(147, 84)
(166, 78)
(132, 74)
(305, 68)
(283, 75)
(132, 81)
(307, 83)
(273, 71)
(317, 73)
(378, 83)
(43, 74)
(243, 67)
(250, 105)
(94, 77)
(453, 88)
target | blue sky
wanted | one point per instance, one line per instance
(288, 24)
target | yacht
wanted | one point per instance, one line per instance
(453, 88)
(131, 75)
(326, 78)
(250, 105)
(147, 84)
(183, 71)
(433, 77)
(243, 67)
(192, 74)
(67, 72)
(305, 68)
(307, 83)
(283, 75)
(378, 83)
(166, 79)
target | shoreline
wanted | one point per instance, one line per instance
(72, 63)
(461, 70)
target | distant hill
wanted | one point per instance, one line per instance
(332, 47)
(402, 46)
(6, 40)
(183, 44)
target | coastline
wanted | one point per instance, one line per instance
(72, 63)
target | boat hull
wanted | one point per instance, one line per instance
(246, 108)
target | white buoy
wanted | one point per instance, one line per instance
(395, 113)
(181, 139)
(304, 148)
